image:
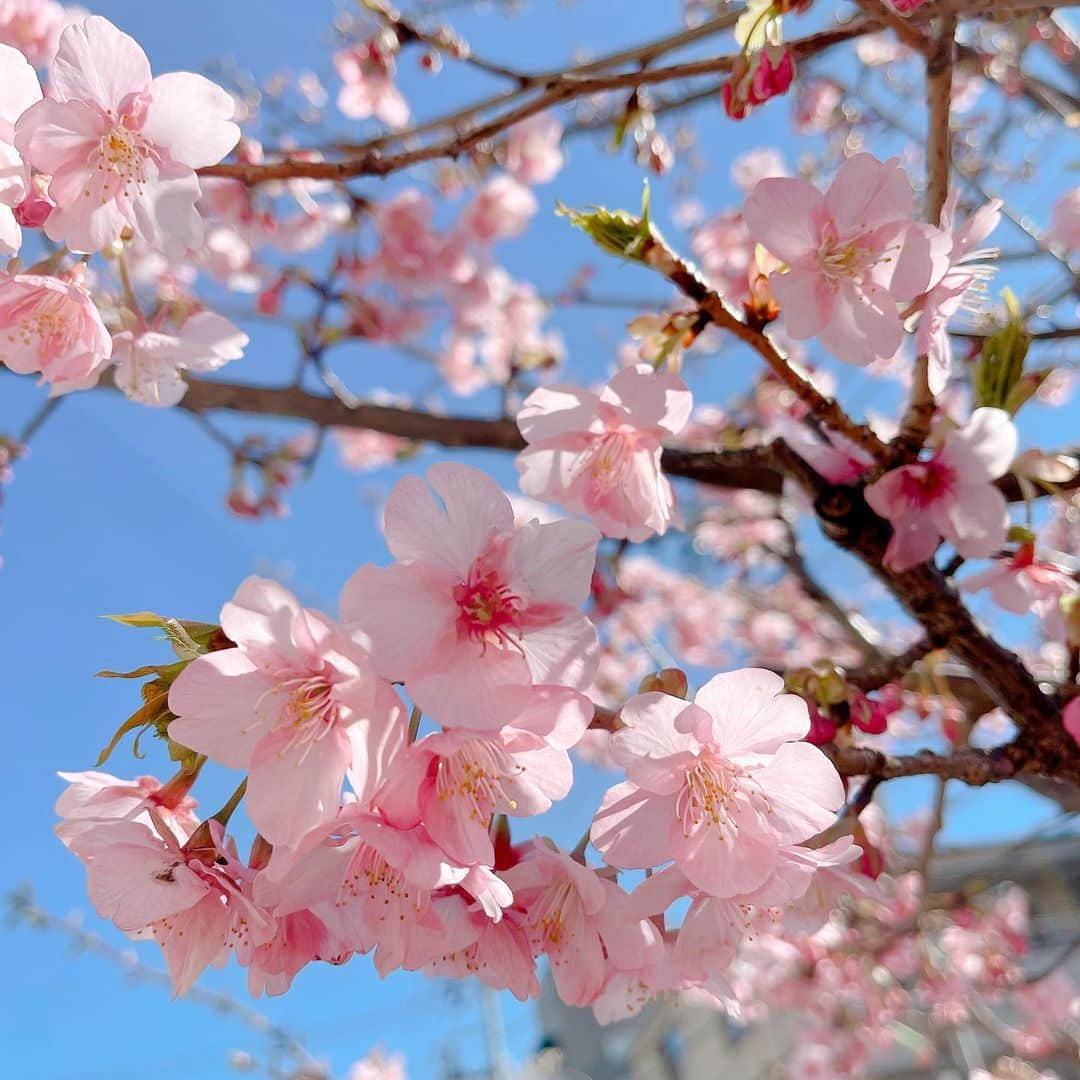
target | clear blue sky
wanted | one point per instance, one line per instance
(120, 508)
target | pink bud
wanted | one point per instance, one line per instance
(34, 210)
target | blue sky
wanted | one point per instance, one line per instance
(120, 508)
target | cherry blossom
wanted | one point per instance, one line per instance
(53, 328)
(852, 254)
(572, 915)
(477, 609)
(951, 495)
(719, 784)
(296, 702)
(967, 269)
(148, 365)
(190, 898)
(501, 208)
(122, 147)
(533, 154)
(1021, 583)
(19, 90)
(367, 72)
(1065, 220)
(370, 883)
(453, 781)
(34, 26)
(599, 453)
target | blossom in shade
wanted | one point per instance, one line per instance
(852, 254)
(477, 609)
(19, 89)
(296, 703)
(533, 153)
(51, 326)
(499, 954)
(370, 883)
(121, 146)
(149, 364)
(720, 785)
(951, 495)
(453, 781)
(573, 916)
(367, 75)
(1070, 717)
(599, 453)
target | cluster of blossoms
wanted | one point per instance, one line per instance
(881, 974)
(479, 620)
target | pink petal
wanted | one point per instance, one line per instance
(191, 117)
(553, 563)
(293, 789)
(631, 826)
(99, 63)
(216, 698)
(867, 194)
(403, 613)
(783, 214)
(804, 791)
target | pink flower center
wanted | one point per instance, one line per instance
(49, 317)
(308, 713)
(610, 458)
(928, 481)
(476, 773)
(121, 159)
(371, 877)
(708, 790)
(845, 259)
(488, 611)
(557, 916)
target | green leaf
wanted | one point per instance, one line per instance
(999, 372)
(153, 712)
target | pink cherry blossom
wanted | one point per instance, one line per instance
(599, 453)
(297, 703)
(370, 883)
(500, 209)
(966, 270)
(1021, 583)
(34, 26)
(19, 89)
(413, 255)
(533, 154)
(477, 609)
(141, 878)
(719, 785)
(148, 365)
(950, 495)
(453, 781)
(571, 913)
(836, 458)
(53, 328)
(367, 72)
(274, 959)
(92, 797)
(499, 954)
(852, 253)
(1065, 220)
(121, 146)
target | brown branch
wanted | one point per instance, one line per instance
(655, 253)
(974, 767)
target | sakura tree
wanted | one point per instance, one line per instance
(665, 595)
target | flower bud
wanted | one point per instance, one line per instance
(666, 681)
